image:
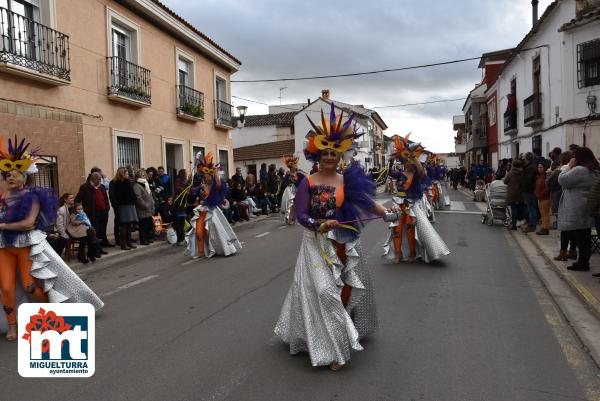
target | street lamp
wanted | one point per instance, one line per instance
(591, 103)
(242, 111)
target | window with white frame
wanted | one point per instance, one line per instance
(491, 109)
(588, 63)
(124, 36)
(196, 150)
(224, 161)
(185, 72)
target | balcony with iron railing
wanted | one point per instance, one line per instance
(223, 115)
(532, 110)
(28, 48)
(128, 82)
(190, 103)
(510, 122)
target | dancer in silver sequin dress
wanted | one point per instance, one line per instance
(291, 180)
(412, 237)
(25, 211)
(330, 305)
(210, 233)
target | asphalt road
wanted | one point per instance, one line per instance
(475, 326)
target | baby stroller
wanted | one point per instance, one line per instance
(495, 194)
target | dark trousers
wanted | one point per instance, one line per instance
(532, 211)
(515, 212)
(88, 240)
(178, 224)
(567, 241)
(117, 226)
(100, 221)
(58, 244)
(146, 229)
(583, 239)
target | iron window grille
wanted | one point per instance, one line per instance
(47, 175)
(128, 152)
(190, 101)
(588, 63)
(29, 44)
(129, 80)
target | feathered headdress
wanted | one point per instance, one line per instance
(331, 134)
(205, 164)
(291, 161)
(406, 150)
(15, 157)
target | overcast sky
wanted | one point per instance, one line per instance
(280, 38)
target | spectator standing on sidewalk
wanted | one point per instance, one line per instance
(576, 182)
(144, 207)
(513, 191)
(165, 182)
(125, 198)
(273, 184)
(528, 180)
(542, 194)
(92, 195)
(263, 173)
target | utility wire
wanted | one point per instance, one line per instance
(421, 103)
(376, 107)
(360, 73)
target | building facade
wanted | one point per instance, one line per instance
(553, 77)
(284, 123)
(112, 83)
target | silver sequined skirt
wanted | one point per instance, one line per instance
(287, 202)
(313, 318)
(57, 279)
(430, 246)
(221, 238)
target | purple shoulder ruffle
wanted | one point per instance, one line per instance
(299, 178)
(216, 197)
(21, 209)
(359, 195)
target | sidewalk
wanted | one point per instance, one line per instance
(116, 254)
(586, 287)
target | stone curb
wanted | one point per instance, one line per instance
(117, 256)
(592, 303)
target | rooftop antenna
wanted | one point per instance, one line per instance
(281, 90)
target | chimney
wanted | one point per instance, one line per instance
(325, 94)
(308, 101)
(534, 11)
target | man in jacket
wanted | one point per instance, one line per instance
(527, 190)
(94, 199)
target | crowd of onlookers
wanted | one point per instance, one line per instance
(560, 191)
(143, 198)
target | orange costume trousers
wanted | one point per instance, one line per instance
(201, 233)
(11, 260)
(406, 222)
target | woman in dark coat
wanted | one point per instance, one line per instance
(125, 197)
(513, 191)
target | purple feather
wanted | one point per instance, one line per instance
(317, 130)
(332, 118)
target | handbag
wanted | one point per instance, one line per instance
(171, 235)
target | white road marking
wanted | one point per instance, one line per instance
(129, 285)
(456, 205)
(457, 212)
(283, 227)
(263, 234)
(481, 206)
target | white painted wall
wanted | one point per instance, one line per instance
(561, 98)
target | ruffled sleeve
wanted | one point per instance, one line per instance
(216, 197)
(302, 203)
(299, 179)
(359, 195)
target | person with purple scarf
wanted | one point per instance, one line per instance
(25, 211)
(330, 305)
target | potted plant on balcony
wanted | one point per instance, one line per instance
(193, 109)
